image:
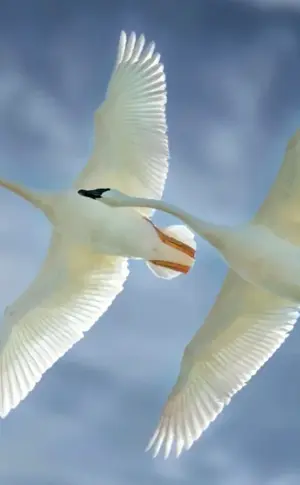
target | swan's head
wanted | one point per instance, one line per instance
(111, 197)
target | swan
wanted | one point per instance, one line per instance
(87, 261)
(254, 312)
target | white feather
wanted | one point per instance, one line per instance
(131, 145)
(243, 330)
(280, 209)
(71, 292)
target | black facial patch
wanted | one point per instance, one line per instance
(92, 194)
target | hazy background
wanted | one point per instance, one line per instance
(233, 73)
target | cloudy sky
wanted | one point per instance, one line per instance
(233, 73)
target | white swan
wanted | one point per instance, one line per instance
(254, 313)
(86, 265)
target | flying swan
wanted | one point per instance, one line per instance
(254, 313)
(86, 265)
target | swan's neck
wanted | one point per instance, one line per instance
(213, 233)
(38, 199)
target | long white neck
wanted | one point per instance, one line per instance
(213, 233)
(38, 199)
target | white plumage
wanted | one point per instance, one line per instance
(243, 330)
(87, 262)
(52, 315)
(130, 126)
(254, 313)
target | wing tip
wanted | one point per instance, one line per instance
(132, 49)
(164, 441)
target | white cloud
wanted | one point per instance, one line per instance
(53, 136)
(230, 135)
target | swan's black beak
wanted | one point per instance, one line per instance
(92, 194)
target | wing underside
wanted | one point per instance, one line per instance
(243, 330)
(71, 292)
(280, 210)
(130, 144)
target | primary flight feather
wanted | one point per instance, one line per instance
(87, 262)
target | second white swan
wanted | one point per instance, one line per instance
(255, 310)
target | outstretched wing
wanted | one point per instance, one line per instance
(131, 145)
(72, 290)
(281, 209)
(243, 330)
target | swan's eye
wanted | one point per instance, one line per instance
(92, 194)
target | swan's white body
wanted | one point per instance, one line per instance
(261, 257)
(119, 233)
(255, 310)
(86, 265)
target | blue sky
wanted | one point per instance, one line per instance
(233, 74)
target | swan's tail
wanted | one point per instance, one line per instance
(177, 254)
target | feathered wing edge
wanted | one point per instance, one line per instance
(52, 315)
(220, 360)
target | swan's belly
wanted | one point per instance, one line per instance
(266, 260)
(102, 229)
